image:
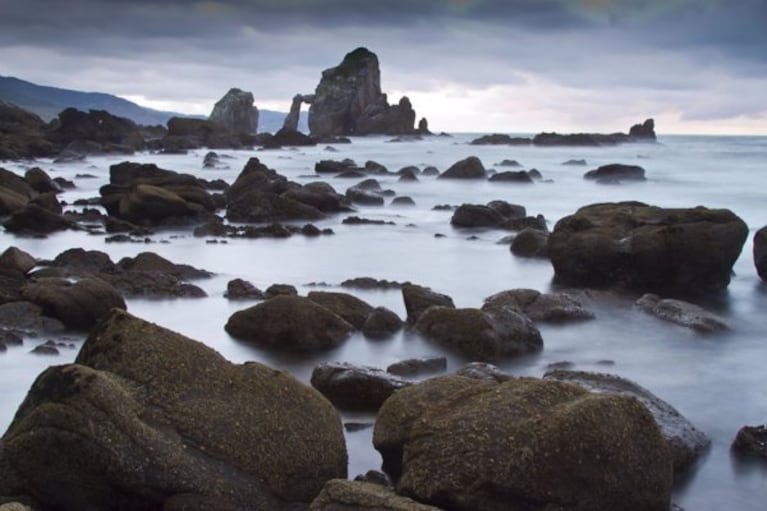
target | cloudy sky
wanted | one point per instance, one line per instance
(696, 66)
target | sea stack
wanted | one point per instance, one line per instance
(236, 112)
(348, 101)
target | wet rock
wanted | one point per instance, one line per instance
(355, 220)
(508, 163)
(289, 323)
(236, 111)
(288, 138)
(483, 335)
(352, 427)
(364, 197)
(686, 443)
(498, 214)
(105, 132)
(403, 201)
(475, 215)
(335, 166)
(22, 134)
(210, 160)
(682, 313)
(633, 245)
(417, 366)
(239, 289)
(151, 262)
(149, 419)
(545, 307)
(418, 299)
(363, 496)
(407, 175)
(469, 168)
(751, 441)
(530, 242)
(355, 387)
(281, 290)
(321, 196)
(500, 139)
(40, 181)
(49, 348)
(524, 444)
(617, 172)
(373, 167)
(511, 176)
(348, 101)
(371, 283)
(483, 371)
(16, 260)
(81, 262)
(186, 133)
(23, 316)
(15, 193)
(760, 252)
(78, 304)
(430, 171)
(349, 307)
(37, 220)
(10, 338)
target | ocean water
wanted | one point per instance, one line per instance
(716, 381)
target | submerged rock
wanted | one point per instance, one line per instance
(355, 387)
(686, 443)
(751, 441)
(682, 313)
(524, 443)
(148, 419)
(633, 245)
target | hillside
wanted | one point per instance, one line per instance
(47, 102)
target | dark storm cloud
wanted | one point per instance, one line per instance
(705, 55)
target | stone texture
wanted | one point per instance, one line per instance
(682, 313)
(235, 111)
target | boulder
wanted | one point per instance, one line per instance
(289, 323)
(187, 133)
(760, 252)
(381, 323)
(644, 131)
(104, 131)
(22, 134)
(38, 220)
(281, 290)
(78, 304)
(475, 215)
(355, 387)
(751, 441)
(530, 242)
(543, 307)
(149, 419)
(682, 313)
(81, 263)
(498, 214)
(524, 443)
(339, 494)
(236, 112)
(416, 366)
(151, 262)
(469, 168)
(500, 139)
(239, 289)
(288, 138)
(418, 299)
(686, 443)
(349, 307)
(26, 317)
(616, 172)
(647, 248)
(16, 260)
(485, 335)
(512, 176)
(40, 181)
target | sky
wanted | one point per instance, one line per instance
(511, 66)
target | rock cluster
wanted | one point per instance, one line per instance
(30, 203)
(644, 132)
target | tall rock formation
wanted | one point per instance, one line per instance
(291, 120)
(236, 112)
(349, 101)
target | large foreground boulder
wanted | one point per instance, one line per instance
(289, 323)
(647, 248)
(147, 419)
(472, 445)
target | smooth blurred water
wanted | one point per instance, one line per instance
(718, 382)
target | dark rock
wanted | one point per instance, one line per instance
(408, 175)
(423, 126)
(510, 176)
(644, 131)
(9, 338)
(348, 101)
(686, 443)
(545, 307)
(760, 252)
(238, 289)
(483, 371)
(530, 243)
(430, 171)
(364, 197)
(45, 349)
(15, 193)
(334, 166)
(78, 305)
(289, 323)
(16, 260)
(151, 262)
(509, 163)
(751, 441)
(211, 160)
(22, 134)
(351, 174)
(618, 172)
(345, 495)
(80, 262)
(484, 335)
(373, 167)
(574, 162)
(35, 219)
(381, 323)
(347, 306)
(682, 313)
(353, 387)
(291, 120)
(311, 230)
(524, 443)
(110, 133)
(416, 366)
(353, 427)
(535, 174)
(475, 215)
(647, 248)
(321, 196)
(355, 220)
(40, 181)
(187, 133)
(371, 283)
(235, 111)
(403, 201)
(469, 168)
(22, 316)
(288, 138)
(500, 139)
(419, 299)
(149, 419)
(281, 290)
(49, 202)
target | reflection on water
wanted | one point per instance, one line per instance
(716, 381)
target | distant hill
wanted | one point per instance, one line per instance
(47, 102)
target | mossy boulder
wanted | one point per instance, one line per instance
(468, 168)
(355, 387)
(465, 444)
(647, 248)
(349, 307)
(289, 323)
(419, 298)
(147, 419)
(484, 335)
(544, 307)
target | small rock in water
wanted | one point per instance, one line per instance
(682, 313)
(281, 289)
(751, 441)
(416, 366)
(49, 348)
(351, 427)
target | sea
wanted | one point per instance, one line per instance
(719, 382)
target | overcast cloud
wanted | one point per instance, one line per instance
(468, 65)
